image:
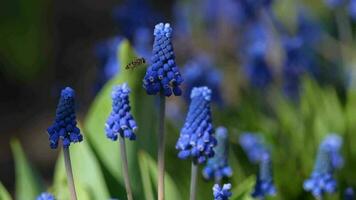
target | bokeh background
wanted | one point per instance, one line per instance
(283, 69)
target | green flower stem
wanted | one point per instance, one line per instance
(193, 182)
(161, 147)
(125, 167)
(69, 171)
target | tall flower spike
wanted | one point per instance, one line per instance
(65, 124)
(264, 184)
(253, 147)
(333, 143)
(120, 120)
(162, 75)
(45, 196)
(217, 167)
(222, 193)
(322, 181)
(196, 137)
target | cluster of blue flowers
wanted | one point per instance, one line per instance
(120, 120)
(217, 167)
(264, 185)
(163, 76)
(349, 194)
(328, 159)
(196, 138)
(65, 124)
(222, 193)
(253, 146)
(45, 196)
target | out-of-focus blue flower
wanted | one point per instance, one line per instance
(222, 193)
(120, 120)
(251, 8)
(200, 71)
(264, 185)
(349, 194)
(217, 167)
(65, 124)
(133, 15)
(352, 9)
(334, 3)
(107, 55)
(256, 66)
(142, 42)
(332, 144)
(253, 146)
(294, 67)
(45, 196)
(321, 180)
(196, 138)
(163, 76)
(182, 18)
(308, 29)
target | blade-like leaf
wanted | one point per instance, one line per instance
(28, 184)
(4, 194)
(171, 190)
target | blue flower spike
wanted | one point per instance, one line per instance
(222, 193)
(217, 167)
(328, 159)
(65, 127)
(45, 196)
(264, 184)
(163, 76)
(253, 146)
(196, 137)
(120, 122)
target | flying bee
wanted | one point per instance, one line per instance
(135, 63)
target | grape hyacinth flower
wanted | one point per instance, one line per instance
(65, 125)
(162, 75)
(352, 9)
(120, 121)
(65, 128)
(217, 167)
(45, 196)
(264, 185)
(333, 143)
(321, 180)
(349, 194)
(121, 124)
(196, 137)
(163, 78)
(196, 140)
(222, 193)
(253, 146)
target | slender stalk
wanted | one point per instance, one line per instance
(69, 171)
(161, 147)
(125, 168)
(193, 182)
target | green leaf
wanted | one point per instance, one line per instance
(28, 184)
(244, 189)
(4, 194)
(171, 190)
(88, 177)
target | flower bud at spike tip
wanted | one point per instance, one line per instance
(120, 120)
(65, 124)
(163, 76)
(196, 137)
